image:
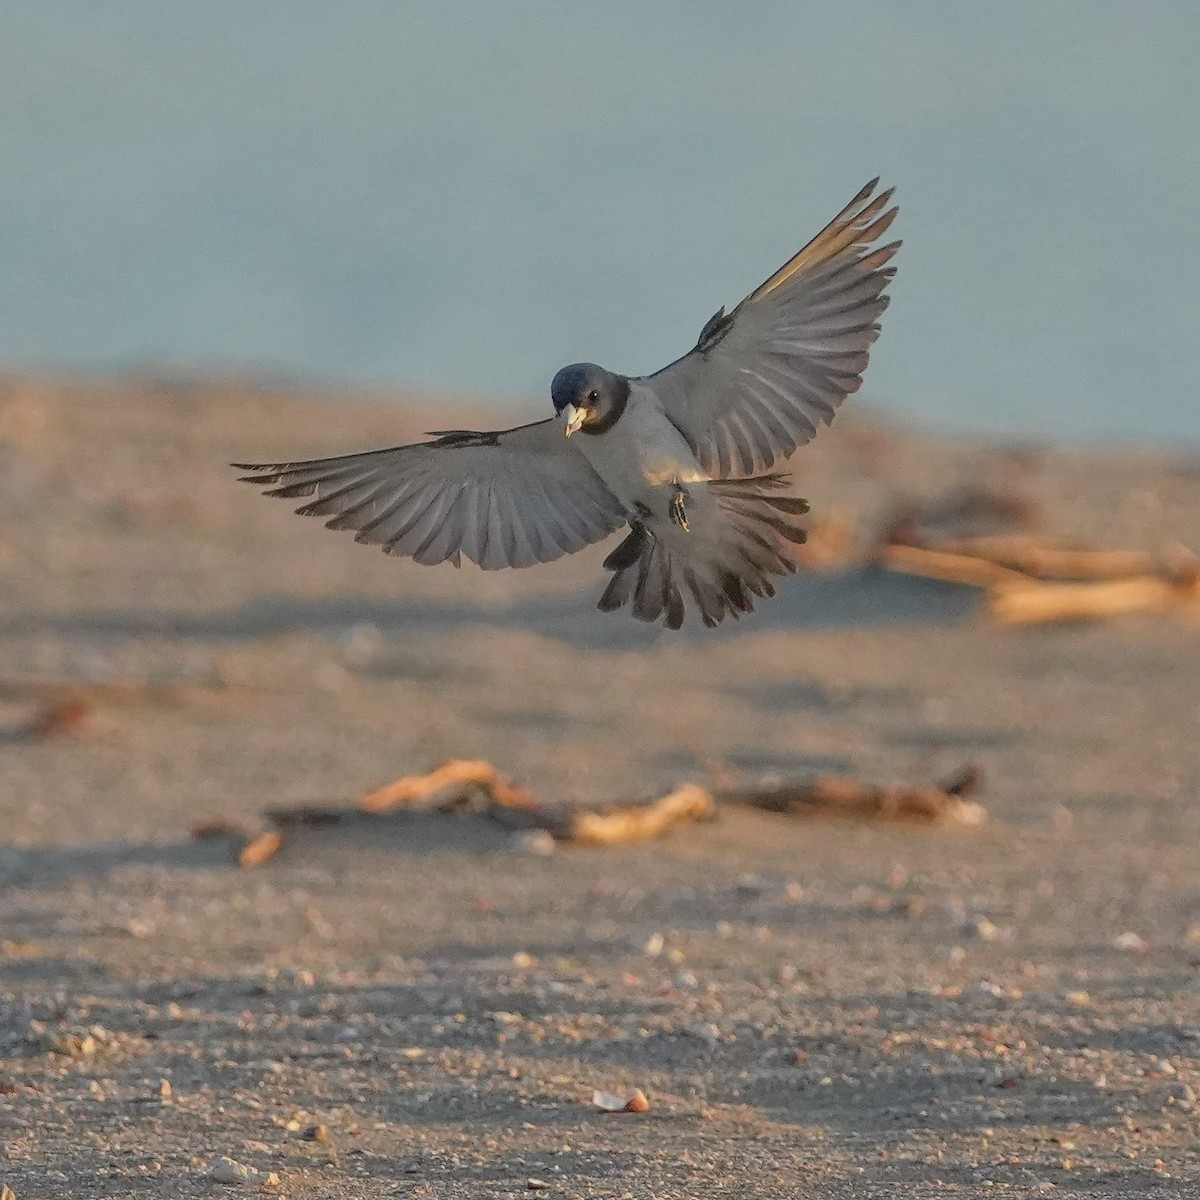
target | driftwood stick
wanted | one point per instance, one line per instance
(1034, 602)
(260, 848)
(837, 796)
(637, 822)
(948, 566)
(425, 791)
(1049, 558)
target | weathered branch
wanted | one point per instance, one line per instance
(638, 822)
(952, 567)
(1034, 601)
(459, 776)
(837, 796)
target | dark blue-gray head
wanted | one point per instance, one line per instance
(589, 398)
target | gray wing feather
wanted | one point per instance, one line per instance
(763, 378)
(506, 499)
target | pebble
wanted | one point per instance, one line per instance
(654, 946)
(533, 841)
(1183, 1095)
(978, 926)
(985, 987)
(1133, 942)
(71, 1045)
(536, 1185)
(228, 1170)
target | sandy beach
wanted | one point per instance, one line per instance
(422, 1005)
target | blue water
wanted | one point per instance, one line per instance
(467, 195)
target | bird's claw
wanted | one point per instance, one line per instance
(677, 510)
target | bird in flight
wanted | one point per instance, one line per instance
(682, 457)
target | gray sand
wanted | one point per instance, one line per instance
(815, 1008)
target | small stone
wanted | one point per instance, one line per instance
(654, 946)
(1132, 942)
(978, 926)
(165, 1094)
(270, 1180)
(523, 960)
(1183, 1096)
(6, 1193)
(228, 1170)
(533, 841)
(613, 1102)
(686, 981)
(71, 1045)
(536, 1185)
(314, 1133)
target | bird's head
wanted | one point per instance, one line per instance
(588, 397)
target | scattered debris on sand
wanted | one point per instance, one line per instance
(1034, 578)
(467, 785)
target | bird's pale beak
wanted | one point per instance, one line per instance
(571, 418)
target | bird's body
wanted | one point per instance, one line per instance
(683, 457)
(643, 453)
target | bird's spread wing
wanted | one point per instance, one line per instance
(762, 377)
(505, 499)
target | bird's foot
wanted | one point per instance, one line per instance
(677, 510)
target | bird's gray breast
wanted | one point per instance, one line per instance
(643, 454)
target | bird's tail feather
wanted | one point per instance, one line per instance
(729, 562)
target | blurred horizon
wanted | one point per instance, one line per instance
(462, 200)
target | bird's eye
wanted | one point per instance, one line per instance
(593, 396)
